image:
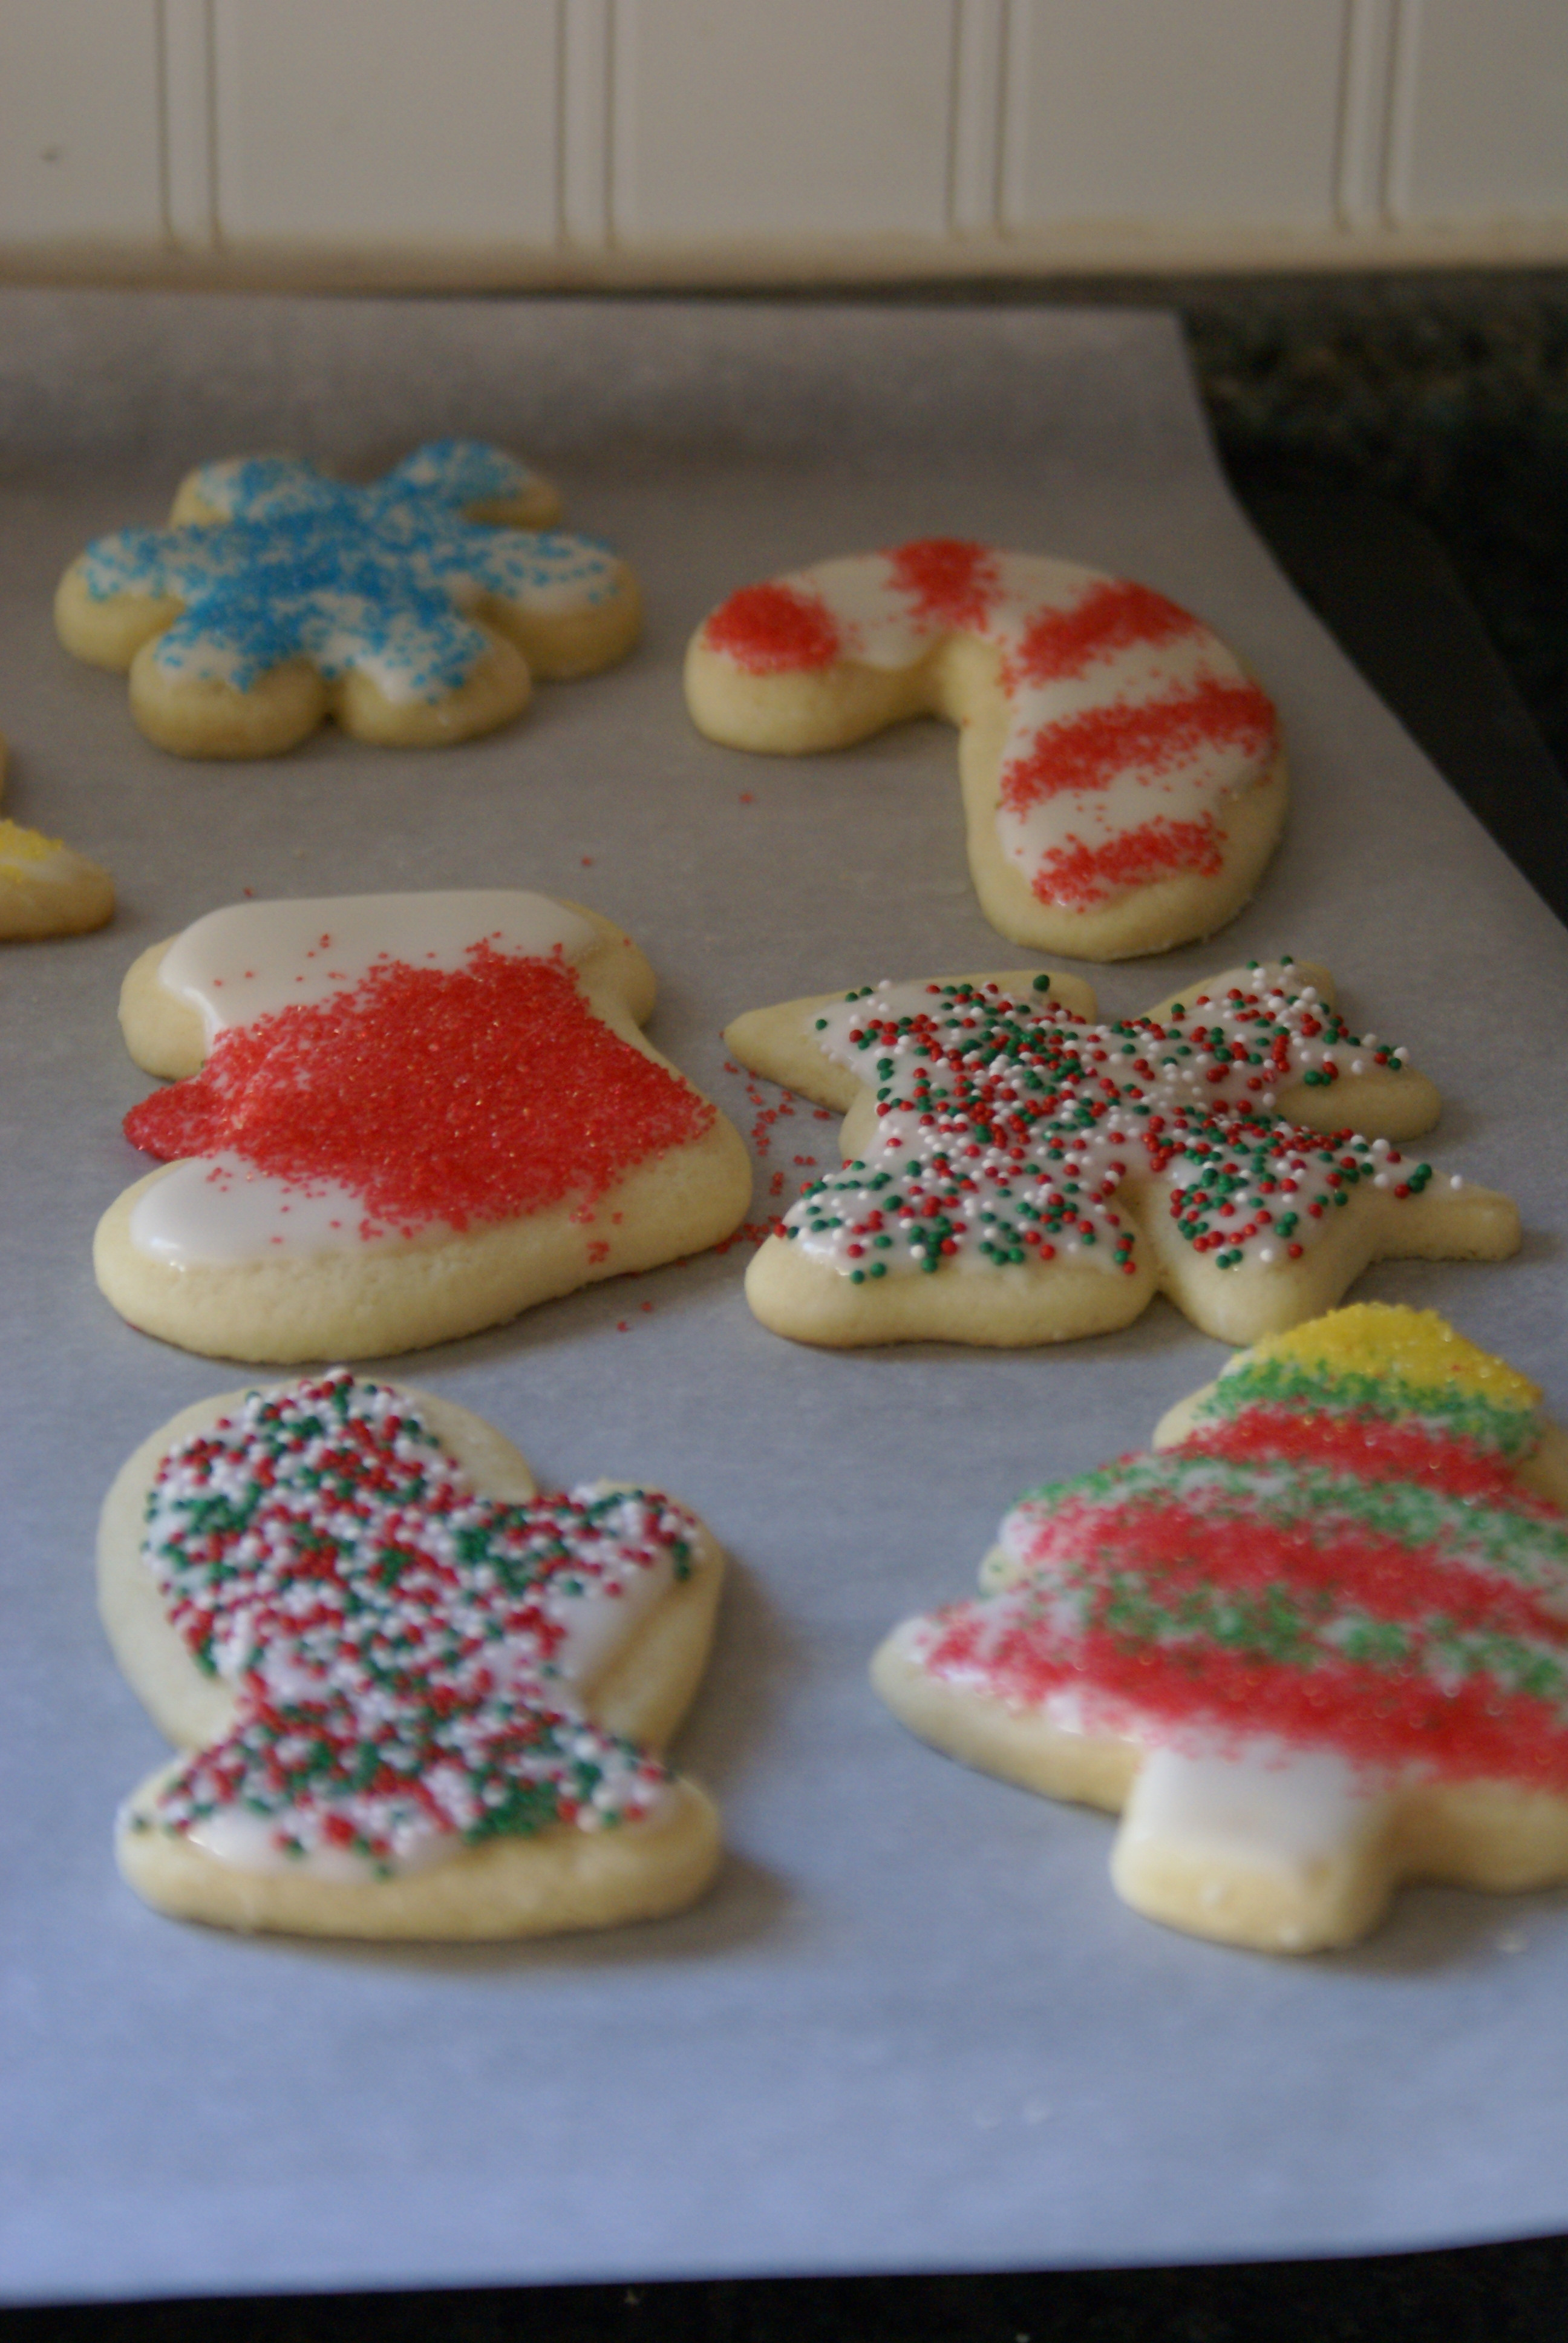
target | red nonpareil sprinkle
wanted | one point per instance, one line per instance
(1094, 748)
(771, 627)
(1114, 615)
(952, 583)
(476, 1094)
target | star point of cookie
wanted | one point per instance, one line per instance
(1314, 1644)
(1122, 778)
(399, 1118)
(1019, 1173)
(417, 1697)
(415, 610)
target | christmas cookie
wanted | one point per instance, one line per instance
(46, 888)
(414, 610)
(400, 1118)
(1018, 1173)
(1123, 782)
(417, 1698)
(1317, 1645)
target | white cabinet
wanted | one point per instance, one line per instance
(81, 152)
(792, 117)
(389, 122)
(624, 141)
(1483, 111)
(1178, 110)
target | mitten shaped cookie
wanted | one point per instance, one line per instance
(417, 1698)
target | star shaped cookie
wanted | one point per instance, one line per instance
(1019, 1173)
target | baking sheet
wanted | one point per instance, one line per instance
(912, 2028)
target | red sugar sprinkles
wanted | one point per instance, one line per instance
(459, 1096)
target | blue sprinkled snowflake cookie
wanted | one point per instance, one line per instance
(415, 610)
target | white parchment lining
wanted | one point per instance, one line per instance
(912, 2028)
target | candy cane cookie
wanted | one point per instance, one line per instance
(398, 1119)
(1018, 1173)
(415, 610)
(1315, 1645)
(1122, 778)
(417, 1698)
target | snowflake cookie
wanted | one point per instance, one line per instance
(1123, 778)
(402, 1118)
(418, 1698)
(47, 888)
(415, 610)
(1314, 1644)
(1018, 1173)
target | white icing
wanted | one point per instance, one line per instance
(590, 1565)
(597, 1622)
(217, 1210)
(249, 958)
(1257, 1820)
(625, 1574)
(249, 1842)
(1259, 1805)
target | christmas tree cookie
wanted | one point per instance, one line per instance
(1314, 1644)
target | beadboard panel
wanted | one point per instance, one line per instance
(780, 117)
(80, 135)
(516, 142)
(1173, 109)
(1485, 110)
(385, 120)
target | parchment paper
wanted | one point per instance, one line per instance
(912, 2028)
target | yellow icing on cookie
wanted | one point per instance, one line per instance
(18, 847)
(1384, 1340)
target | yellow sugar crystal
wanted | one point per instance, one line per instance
(18, 847)
(1383, 1339)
